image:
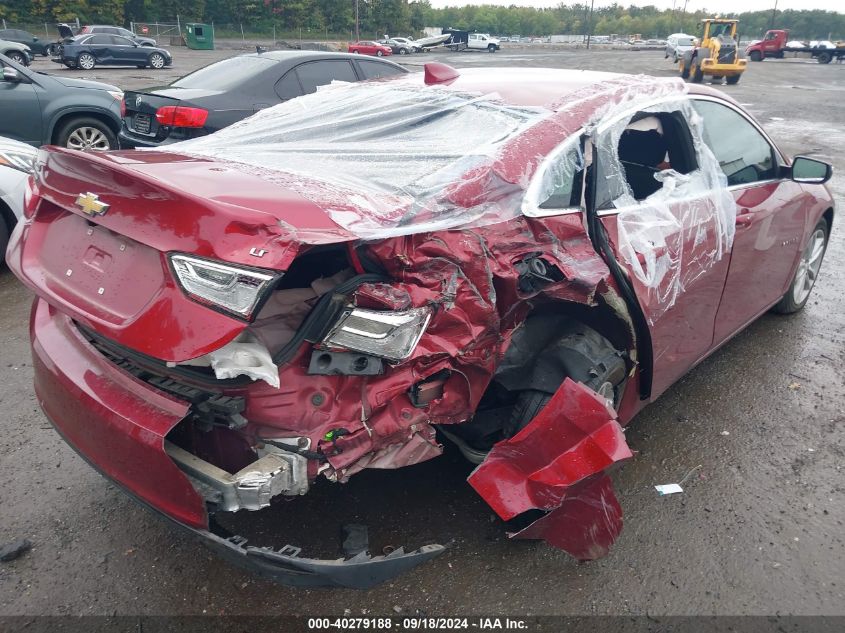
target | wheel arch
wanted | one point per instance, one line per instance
(828, 216)
(7, 216)
(66, 115)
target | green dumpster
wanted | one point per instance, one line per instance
(199, 37)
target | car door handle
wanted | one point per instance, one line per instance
(744, 218)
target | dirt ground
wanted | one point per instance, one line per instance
(758, 530)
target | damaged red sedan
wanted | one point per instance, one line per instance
(512, 260)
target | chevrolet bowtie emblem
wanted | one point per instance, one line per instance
(90, 204)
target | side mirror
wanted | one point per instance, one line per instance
(10, 74)
(810, 170)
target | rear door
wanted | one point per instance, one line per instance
(100, 46)
(665, 242)
(771, 213)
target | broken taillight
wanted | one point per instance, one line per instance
(31, 197)
(123, 107)
(181, 116)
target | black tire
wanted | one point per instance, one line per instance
(756, 56)
(606, 377)
(5, 231)
(732, 80)
(824, 58)
(789, 304)
(157, 61)
(65, 137)
(403, 51)
(697, 75)
(86, 61)
(355, 51)
(17, 57)
(491, 48)
(684, 69)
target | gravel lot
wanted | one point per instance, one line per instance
(758, 530)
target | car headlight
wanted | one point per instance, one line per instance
(234, 289)
(20, 158)
(390, 335)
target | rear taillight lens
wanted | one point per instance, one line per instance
(181, 116)
(122, 107)
(31, 197)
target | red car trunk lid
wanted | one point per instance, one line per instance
(110, 270)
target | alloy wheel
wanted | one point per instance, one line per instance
(88, 139)
(808, 267)
(86, 61)
(157, 61)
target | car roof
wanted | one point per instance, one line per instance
(529, 86)
(543, 86)
(299, 56)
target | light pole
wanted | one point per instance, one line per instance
(775, 10)
(357, 34)
(590, 24)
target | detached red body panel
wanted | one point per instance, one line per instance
(558, 463)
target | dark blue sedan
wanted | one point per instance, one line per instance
(86, 51)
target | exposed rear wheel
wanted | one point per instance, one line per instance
(756, 56)
(87, 135)
(86, 61)
(732, 80)
(824, 58)
(806, 273)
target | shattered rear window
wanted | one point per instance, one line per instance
(377, 156)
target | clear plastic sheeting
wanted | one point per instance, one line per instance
(673, 236)
(385, 158)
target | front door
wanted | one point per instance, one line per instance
(771, 212)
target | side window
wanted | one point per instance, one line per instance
(288, 86)
(314, 74)
(743, 153)
(374, 70)
(121, 41)
(98, 40)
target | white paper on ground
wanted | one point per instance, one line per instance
(668, 489)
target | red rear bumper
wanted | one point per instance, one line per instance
(116, 422)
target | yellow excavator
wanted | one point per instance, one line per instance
(717, 55)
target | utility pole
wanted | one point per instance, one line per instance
(590, 24)
(357, 33)
(775, 10)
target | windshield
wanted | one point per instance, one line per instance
(225, 74)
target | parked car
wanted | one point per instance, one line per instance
(677, 44)
(411, 44)
(41, 109)
(350, 279)
(366, 47)
(18, 53)
(86, 51)
(213, 97)
(396, 47)
(118, 30)
(16, 160)
(37, 46)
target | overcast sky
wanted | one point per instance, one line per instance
(692, 5)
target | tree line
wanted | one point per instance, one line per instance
(411, 16)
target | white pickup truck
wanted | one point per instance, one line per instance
(483, 41)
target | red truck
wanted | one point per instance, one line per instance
(774, 44)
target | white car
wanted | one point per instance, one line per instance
(677, 44)
(483, 41)
(16, 161)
